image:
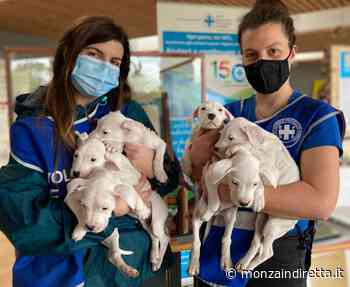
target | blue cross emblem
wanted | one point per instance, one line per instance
(286, 133)
(289, 131)
(209, 20)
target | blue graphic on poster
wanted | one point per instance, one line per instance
(345, 64)
(184, 94)
(199, 42)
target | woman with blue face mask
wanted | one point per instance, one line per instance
(312, 132)
(90, 72)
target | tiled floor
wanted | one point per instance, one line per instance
(7, 257)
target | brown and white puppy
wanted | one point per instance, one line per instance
(210, 116)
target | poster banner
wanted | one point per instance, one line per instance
(344, 84)
(193, 28)
(209, 30)
(225, 78)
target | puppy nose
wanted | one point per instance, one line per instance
(243, 203)
(76, 173)
(90, 227)
(211, 116)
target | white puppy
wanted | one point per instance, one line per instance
(241, 174)
(115, 130)
(277, 167)
(210, 116)
(92, 201)
(90, 155)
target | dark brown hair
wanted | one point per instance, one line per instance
(268, 11)
(59, 101)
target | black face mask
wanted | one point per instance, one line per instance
(267, 76)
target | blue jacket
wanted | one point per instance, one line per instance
(35, 219)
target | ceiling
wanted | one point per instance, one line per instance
(49, 19)
(294, 6)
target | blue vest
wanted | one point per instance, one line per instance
(302, 124)
(34, 147)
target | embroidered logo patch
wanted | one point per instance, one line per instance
(288, 130)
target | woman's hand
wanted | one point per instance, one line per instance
(141, 157)
(122, 208)
(201, 151)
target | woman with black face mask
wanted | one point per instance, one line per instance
(312, 132)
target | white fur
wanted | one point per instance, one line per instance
(93, 200)
(123, 171)
(115, 130)
(254, 156)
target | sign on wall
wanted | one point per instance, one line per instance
(192, 28)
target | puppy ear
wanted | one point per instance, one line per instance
(268, 177)
(229, 116)
(195, 112)
(254, 133)
(82, 137)
(218, 170)
(75, 189)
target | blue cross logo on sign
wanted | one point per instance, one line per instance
(288, 130)
(209, 20)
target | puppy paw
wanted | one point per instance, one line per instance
(239, 267)
(161, 176)
(143, 213)
(258, 202)
(78, 234)
(130, 272)
(110, 148)
(226, 263)
(117, 261)
(156, 266)
(193, 270)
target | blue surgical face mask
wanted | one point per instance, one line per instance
(94, 77)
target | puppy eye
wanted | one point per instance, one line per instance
(221, 110)
(231, 138)
(104, 208)
(203, 108)
(255, 184)
(75, 155)
(235, 182)
(105, 132)
(93, 159)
